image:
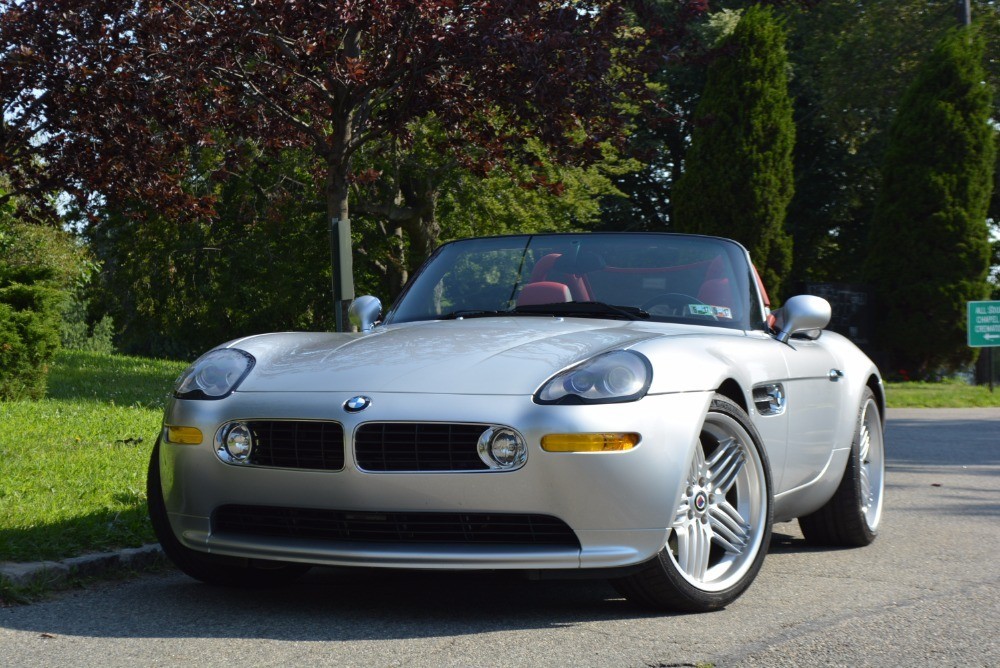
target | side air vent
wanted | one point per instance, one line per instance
(769, 399)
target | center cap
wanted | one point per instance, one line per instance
(700, 502)
(357, 404)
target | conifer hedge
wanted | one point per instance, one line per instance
(738, 174)
(929, 252)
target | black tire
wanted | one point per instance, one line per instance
(721, 524)
(212, 569)
(851, 517)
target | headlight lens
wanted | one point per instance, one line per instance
(214, 375)
(618, 376)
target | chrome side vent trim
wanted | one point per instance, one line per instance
(769, 399)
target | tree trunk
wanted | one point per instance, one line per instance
(396, 269)
(423, 228)
(424, 233)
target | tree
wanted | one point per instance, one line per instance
(737, 178)
(852, 62)
(929, 251)
(426, 185)
(107, 99)
(175, 288)
(178, 287)
(39, 266)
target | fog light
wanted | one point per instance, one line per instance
(609, 442)
(502, 448)
(236, 443)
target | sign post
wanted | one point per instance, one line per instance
(341, 268)
(984, 328)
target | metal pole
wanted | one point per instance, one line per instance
(964, 9)
(341, 268)
(991, 368)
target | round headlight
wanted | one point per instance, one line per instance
(214, 375)
(502, 448)
(616, 376)
(236, 443)
(622, 381)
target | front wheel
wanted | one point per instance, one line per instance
(210, 568)
(721, 522)
(851, 517)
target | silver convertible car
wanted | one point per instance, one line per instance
(622, 406)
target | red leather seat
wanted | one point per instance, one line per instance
(716, 291)
(544, 292)
(545, 271)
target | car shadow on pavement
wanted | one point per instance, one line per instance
(331, 604)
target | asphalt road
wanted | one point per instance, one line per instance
(926, 593)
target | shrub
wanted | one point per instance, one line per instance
(29, 337)
(38, 265)
(77, 333)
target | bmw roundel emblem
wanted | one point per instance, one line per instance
(700, 502)
(357, 404)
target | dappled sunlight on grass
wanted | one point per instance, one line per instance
(117, 379)
(74, 465)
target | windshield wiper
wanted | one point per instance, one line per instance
(558, 309)
(584, 310)
(473, 313)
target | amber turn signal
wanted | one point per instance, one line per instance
(611, 442)
(182, 435)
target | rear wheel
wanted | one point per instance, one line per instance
(210, 568)
(721, 522)
(851, 517)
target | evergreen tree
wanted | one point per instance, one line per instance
(38, 266)
(738, 176)
(929, 250)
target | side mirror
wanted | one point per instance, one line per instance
(365, 312)
(803, 313)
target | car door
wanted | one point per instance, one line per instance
(813, 406)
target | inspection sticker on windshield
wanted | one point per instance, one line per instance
(712, 311)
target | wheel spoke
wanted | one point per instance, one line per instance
(866, 488)
(681, 517)
(694, 544)
(726, 463)
(697, 464)
(731, 532)
(726, 449)
(865, 444)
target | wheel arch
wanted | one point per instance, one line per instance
(733, 391)
(875, 385)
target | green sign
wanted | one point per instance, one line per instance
(984, 324)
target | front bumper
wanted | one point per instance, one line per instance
(619, 504)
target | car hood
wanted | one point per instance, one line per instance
(512, 355)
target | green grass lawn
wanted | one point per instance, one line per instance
(946, 394)
(73, 466)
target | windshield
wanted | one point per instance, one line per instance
(657, 277)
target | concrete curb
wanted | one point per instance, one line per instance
(56, 573)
